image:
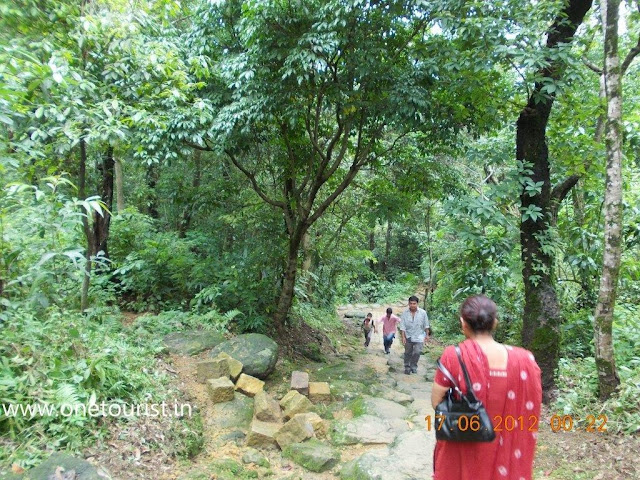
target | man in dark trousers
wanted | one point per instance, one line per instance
(414, 325)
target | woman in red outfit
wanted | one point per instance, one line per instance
(507, 381)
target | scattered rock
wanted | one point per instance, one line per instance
(235, 366)
(257, 353)
(220, 389)
(192, 342)
(251, 455)
(234, 414)
(262, 434)
(320, 426)
(367, 430)
(236, 436)
(213, 368)
(319, 392)
(293, 403)
(295, 430)
(300, 382)
(249, 385)
(312, 455)
(266, 409)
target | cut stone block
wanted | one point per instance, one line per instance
(320, 426)
(261, 434)
(235, 366)
(249, 385)
(266, 409)
(319, 392)
(220, 389)
(294, 402)
(213, 368)
(296, 430)
(300, 382)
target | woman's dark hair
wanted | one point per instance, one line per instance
(479, 312)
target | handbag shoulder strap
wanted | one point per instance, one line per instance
(447, 374)
(470, 395)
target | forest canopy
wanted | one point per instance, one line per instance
(247, 166)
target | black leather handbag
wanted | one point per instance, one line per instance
(462, 418)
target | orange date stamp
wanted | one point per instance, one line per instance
(509, 423)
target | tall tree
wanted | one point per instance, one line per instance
(310, 90)
(539, 202)
(608, 378)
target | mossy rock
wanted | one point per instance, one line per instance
(312, 455)
(345, 371)
(47, 469)
(192, 342)
(236, 414)
(257, 353)
(347, 390)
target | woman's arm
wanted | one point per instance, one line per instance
(438, 393)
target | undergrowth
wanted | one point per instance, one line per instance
(63, 359)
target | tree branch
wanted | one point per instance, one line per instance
(198, 147)
(560, 191)
(254, 182)
(630, 56)
(592, 66)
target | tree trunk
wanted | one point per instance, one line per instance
(608, 379)
(97, 232)
(387, 250)
(119, 185)
(101, 223)
(430, 285)
(152, 180)
(372, 246)
(288, 282)
(587, 297)
(82, 181)
(541, 316)
(187, 212)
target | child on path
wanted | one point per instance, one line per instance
(367, 328)
(389, 326)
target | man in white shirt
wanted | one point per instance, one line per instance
(414, 325)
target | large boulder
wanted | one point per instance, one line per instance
(257, 353)
(404, 459)
(385, 408)
(367, 430)
(192, 342)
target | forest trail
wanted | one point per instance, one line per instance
(224, 440)
(559, 456)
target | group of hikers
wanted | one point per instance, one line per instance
(504, 378)
(414, 328)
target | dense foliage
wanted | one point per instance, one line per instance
(192, 161)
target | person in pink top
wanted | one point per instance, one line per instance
(389, 328)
